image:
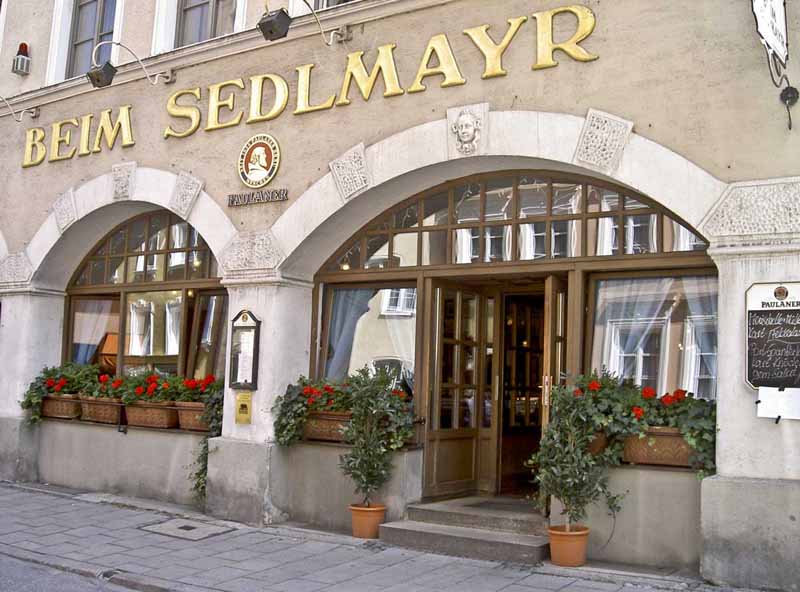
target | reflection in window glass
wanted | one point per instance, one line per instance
(499, 197)
(404, 249)
(532, 197)
(603, 236)
(377, 252)
(565, 240)
(678, 238)
(658, 332)
(641, 234)
(531, 240)
(434, 247)
(209, 336)
(566, 198)
(436, 209)
(153, 324)
(497, 245)
(360, 333)
(466, 245)
(467, 203)
(407, 217)
(602, 200)
(95, 330)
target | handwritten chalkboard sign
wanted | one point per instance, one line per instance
(773, 335)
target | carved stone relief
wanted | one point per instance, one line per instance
(64, 210)
(350, 172)
(15, 269)
(602, 141)
(251, 251)
(124, 180)
(187, 189)
(468, 130)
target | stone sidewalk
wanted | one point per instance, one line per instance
(143, 547)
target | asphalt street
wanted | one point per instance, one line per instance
(19, 576)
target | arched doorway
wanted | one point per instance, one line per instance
(147, 298)
(481, 293)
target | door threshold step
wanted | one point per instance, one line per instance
(460, 541)
(498, 513)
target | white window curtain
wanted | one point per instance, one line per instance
(530, 248)
(463, 247)
(141, 328)
(90, 326)
(605, 231)
(173, 332)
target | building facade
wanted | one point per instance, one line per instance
(473, 195)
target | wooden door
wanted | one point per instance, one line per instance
(490, 419)
(555, 324)
(456, 385)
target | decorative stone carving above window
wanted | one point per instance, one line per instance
(602, 141)
(468, 130)
(15, 269)
(350, 172)
(756, 212)
(124, 180)
(64, 210)
(185, 193)
(251, 252)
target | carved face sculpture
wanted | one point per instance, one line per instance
(467, 131)
(259, 157)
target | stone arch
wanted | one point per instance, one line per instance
(365, 181)
(81, 216)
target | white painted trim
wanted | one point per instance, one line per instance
(119, 15)
(298, 8)
(164, 23)
(60, 31)
(240, 20)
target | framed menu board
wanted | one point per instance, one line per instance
(773, 335)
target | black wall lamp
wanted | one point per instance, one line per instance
(102, 76)
(275, 25)
(18, 115)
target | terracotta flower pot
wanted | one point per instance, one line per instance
(367, 520)
(598, 444)
(568, 549)
(152, 414)
(326, 425)
(61, 406)
(190, 415)
(660, 446)
(101, 410)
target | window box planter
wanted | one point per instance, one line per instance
(101, 410)
(152, 414)
(190, 416)
(61, 406)
(660, 446)
(326, 426)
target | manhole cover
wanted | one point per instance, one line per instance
(190, 530)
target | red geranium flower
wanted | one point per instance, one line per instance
(202, 388)
(103, 378)
(165, 386)
(152, 378)
(139, 390)
(117, 383)
(328, 389)
(667, 400)
(648, 392)
(594, 386)
(679, 395)
(209, 378)
(57, 388)
(307, 390)
(51, 383)
(152, 388)
(577, 392)
(190, 383)
(638, 412)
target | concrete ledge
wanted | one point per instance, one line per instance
(751, 532)
(18, 450)
(145, 463)
(659, 524)
(308, 484)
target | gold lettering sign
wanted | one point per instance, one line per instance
(269, 94)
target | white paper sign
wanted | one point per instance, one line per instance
(245, 363)
(774, 403)
(771, 24)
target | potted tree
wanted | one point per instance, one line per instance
(103, 402)
(191, 402)
(565, 469)
(381, 422)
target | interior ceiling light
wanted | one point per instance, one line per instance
(102, 76)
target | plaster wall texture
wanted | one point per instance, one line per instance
(675, 103)
(298, 492)
(659, 524)
(19, 447)
(25, 22)
(99, 458)
(751, 529)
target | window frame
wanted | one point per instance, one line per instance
(98, 32)
(212, 21)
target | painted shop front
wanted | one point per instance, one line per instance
(484, 202)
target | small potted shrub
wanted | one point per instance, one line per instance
(55, 391)
(149, 401)
(103, 402)
(381, 423)
(566, 470)
(191, 402)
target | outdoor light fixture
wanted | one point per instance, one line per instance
(22, 61)
(32, 111)
(101, 76)
(789, 96)
(275, 25)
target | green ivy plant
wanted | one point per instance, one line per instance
(213, 397)
(67, 379)
(291, 410)
(381, 423)
(563, 466)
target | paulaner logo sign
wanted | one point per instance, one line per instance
(269, 94)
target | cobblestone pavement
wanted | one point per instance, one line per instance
(107, 540)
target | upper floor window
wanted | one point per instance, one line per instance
(92, 22)
(200, 20)
(299, 7)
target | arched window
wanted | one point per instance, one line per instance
(148, 298)
(515, 217)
